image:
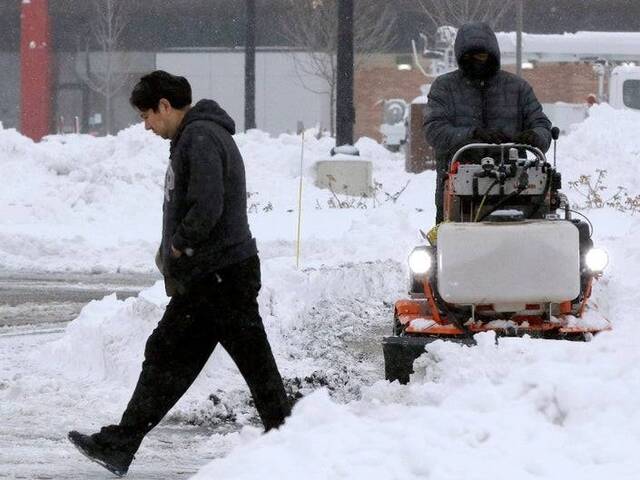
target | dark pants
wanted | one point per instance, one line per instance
(221, 309)
(441, 178)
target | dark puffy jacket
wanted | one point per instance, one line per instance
(457, 104)
(205, 199)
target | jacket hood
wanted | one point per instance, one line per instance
(474, 37)
(211, 111)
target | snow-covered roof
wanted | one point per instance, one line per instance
(617, 46)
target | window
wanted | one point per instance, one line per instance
(631, 94)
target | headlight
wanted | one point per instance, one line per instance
(596, 260)
(420, 261)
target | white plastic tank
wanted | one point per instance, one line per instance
(508, 263)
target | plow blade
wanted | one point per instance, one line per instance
(400, 353)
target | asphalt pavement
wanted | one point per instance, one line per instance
(53, 299)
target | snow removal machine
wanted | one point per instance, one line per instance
(509, 257)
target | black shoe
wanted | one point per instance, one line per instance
(115, 460)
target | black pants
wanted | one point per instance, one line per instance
(222, 309)
(441, 178)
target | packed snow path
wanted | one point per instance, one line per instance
(37, 411)
(34, 310)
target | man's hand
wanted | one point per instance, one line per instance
(486, 135)
(175, 253)
(528, 137)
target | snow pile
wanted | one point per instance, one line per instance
(607, 140)
(105, 343)
(523, 409)
(103, 348)
(80, 203)
(94, 204)
(578, 44)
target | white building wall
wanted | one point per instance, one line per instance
(284, 94)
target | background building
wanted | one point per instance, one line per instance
(204, 39)
(284, 93)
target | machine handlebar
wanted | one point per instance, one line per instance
(502, 146)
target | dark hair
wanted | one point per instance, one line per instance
(157, 85)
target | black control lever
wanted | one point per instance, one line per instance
(555, 134)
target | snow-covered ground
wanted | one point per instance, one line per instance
(520, 409)
(85, 204)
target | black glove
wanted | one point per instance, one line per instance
(527, 137)
(486, 135)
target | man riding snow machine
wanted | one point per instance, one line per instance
(504, 260)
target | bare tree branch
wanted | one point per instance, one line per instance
(458, 12)
(313, 26)
(110, 19)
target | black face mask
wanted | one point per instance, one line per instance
(477, 70)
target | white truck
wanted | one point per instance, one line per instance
(624, 87)
(623, 92)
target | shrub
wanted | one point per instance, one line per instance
(595, 194)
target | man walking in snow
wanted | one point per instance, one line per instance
(480, 103)
(211, 268)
